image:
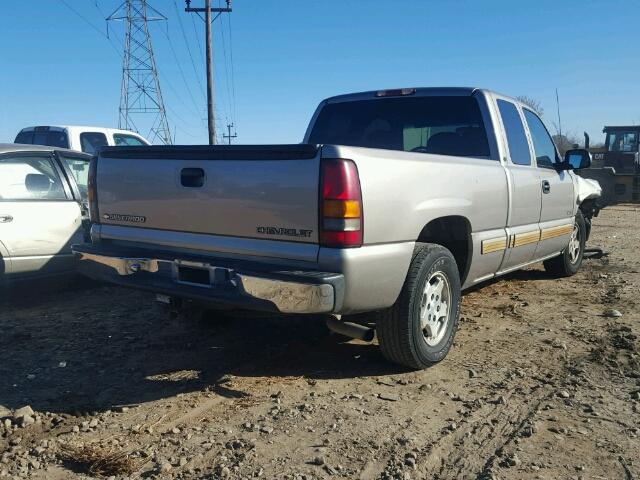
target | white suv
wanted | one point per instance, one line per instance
(82, 139)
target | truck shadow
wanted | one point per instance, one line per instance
(97, 348)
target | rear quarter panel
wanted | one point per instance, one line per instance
(403, 191)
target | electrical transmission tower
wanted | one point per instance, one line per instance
(140, 94)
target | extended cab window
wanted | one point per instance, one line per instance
(52, 138)
(122, 140)
(91, 141)
(543, 145)
(516, 137)
(439, 125)
(29, 178)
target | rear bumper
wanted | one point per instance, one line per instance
(247, 285)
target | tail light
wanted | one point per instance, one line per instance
(341, 221)
(92, 191)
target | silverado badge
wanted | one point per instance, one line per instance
(119, 217)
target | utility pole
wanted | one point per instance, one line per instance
(140, 88)
(208, 10)
(229, 136)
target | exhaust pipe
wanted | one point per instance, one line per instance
(351, 330)
(586, 141)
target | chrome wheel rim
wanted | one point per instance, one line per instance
(435, 308)
(574, 244)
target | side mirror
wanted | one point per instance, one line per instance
(577, 159)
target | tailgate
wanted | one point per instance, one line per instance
(255, 192)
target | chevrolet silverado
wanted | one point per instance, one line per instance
(395, 202)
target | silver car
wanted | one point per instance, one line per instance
(42, 209)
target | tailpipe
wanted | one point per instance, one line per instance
(586, 141)
(351, 330)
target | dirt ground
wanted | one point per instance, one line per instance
(543, 382)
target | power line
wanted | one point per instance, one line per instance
(184, 78)
(186, 42)
(226, 66)
(233, 80)
(197, 35)
(115, 35)
(92, 25)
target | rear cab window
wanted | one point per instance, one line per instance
(44, 136)
(90, 142)
(443, 125)
(124, 140)
(516, 136)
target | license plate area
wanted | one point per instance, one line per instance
(194, 276)
(199, 274)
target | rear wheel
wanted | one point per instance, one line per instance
(568, 263)
(418, 330)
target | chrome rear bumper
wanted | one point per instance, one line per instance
(286, 292)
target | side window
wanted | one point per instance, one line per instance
(79, 168)
(122, 140)
(543, 145)
(29, 178)
(91, 141)
(516, 137)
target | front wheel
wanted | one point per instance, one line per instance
(569, 261)
(418, 330)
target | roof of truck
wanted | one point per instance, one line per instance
(620, 127)
(84, 128)
(21, 147)
(419, 91)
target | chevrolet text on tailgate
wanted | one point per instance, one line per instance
(395, 202)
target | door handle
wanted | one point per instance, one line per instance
(192, 177)
(546, 186)
(5, 218)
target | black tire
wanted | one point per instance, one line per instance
(399, 329)
(563, 265)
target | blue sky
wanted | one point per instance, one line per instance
(290, 54)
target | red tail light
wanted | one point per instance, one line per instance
(92, 191)
(341, 221)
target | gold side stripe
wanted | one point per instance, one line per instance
(553, 232)
(494, 245)
(526, 238)
(497, 244)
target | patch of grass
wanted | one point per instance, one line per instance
(99, 461)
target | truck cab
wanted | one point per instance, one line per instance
(81, 139)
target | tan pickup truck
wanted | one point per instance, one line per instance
(395, 201)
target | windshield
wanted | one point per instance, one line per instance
(441, 125)
(622, 141)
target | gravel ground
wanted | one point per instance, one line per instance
(543, 382)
